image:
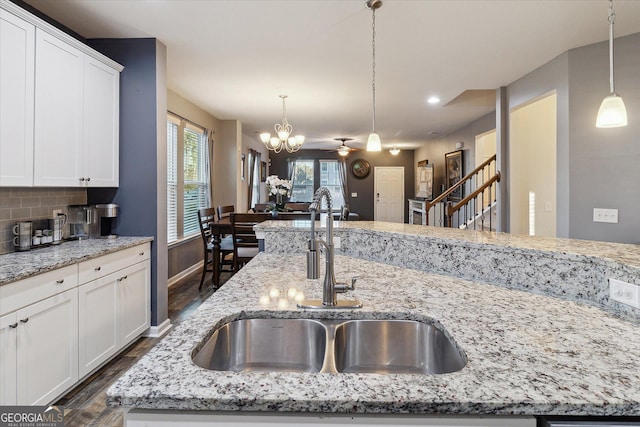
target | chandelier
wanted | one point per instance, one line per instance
(612, 112)
(283, 132)
(373, 143)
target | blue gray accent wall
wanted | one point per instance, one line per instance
(138, 194)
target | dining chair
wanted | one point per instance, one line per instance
(224, 211)
(297, 207)
(261, 207)
(245, 243)
(206, 216)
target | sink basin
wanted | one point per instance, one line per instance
(330, 346)
(291, 345)
(394, 347)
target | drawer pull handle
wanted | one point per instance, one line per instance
(98, 268)
(25, 320)
(13, 325)
(122, 278)
(60, 282)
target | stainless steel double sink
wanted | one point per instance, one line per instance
(331, 346)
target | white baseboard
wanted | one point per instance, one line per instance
(160, 330)
(184, 273)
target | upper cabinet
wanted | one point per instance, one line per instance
(17, 65)
(67, 108)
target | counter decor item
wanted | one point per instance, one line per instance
(280, 188)
(22, 236)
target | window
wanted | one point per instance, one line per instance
(302, 180)
(187, 187)
(330, 178)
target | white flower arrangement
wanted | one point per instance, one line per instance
(277, 186)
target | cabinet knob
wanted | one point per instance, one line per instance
(59, 282)
(98, 268)
(25, 320)
(13, 325)
(82, 178)
(141, 253)
(88, 178)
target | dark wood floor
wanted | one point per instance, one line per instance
(85, 405)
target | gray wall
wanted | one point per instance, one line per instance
(363, 205)
(138, 194)
(596, 168)
(434, 151)
(604, 164)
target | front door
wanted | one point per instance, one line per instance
(389, 194)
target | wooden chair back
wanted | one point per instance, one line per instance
(261, 207)
(224, 211)
(297, 207)
(245, 243)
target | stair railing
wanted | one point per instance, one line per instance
(481, 188)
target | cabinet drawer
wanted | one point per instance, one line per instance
(24, 292)
(99, 267)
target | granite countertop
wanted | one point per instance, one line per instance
(20, 265)
(528, 354)
(628, 254)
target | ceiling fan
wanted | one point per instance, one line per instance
(344, 150)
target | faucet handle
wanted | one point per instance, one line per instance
(343, 287)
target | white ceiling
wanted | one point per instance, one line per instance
(234, 57)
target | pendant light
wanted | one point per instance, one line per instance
(612, 113)
(373, 143)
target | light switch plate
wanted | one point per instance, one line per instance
(354, 194)
(624, 292)
(605, 215)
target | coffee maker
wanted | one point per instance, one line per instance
(103, 217)
(78, 222)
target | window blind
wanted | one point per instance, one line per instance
(172, 181)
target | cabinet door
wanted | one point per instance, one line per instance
(97, 328)
(135, 300)
(17, 61)
(58, 113)
(8, 361)
(47, 349)
(101, 123)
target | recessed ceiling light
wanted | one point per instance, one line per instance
(433, 100)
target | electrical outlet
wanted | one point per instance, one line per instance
(57, 212)
(605, 215)
(624, 292)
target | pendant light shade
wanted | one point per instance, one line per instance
(373, 143)
(612, 112)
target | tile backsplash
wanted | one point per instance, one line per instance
(33, 204)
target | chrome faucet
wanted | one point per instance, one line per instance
(329, 287)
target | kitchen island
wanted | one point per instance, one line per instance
(528, 353)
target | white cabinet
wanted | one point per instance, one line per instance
(58, 117)
(114, 310)
(100, 125)
(98, 327)
(17, 65)
(47, 350)
(8, 359)
(62, 130)
(59, 326)
(135, 301)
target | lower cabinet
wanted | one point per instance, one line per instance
(47, 356)
(39, 357)
(113, 311)
(56, 336)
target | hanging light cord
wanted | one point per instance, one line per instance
(612, 18)
(373, 49)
